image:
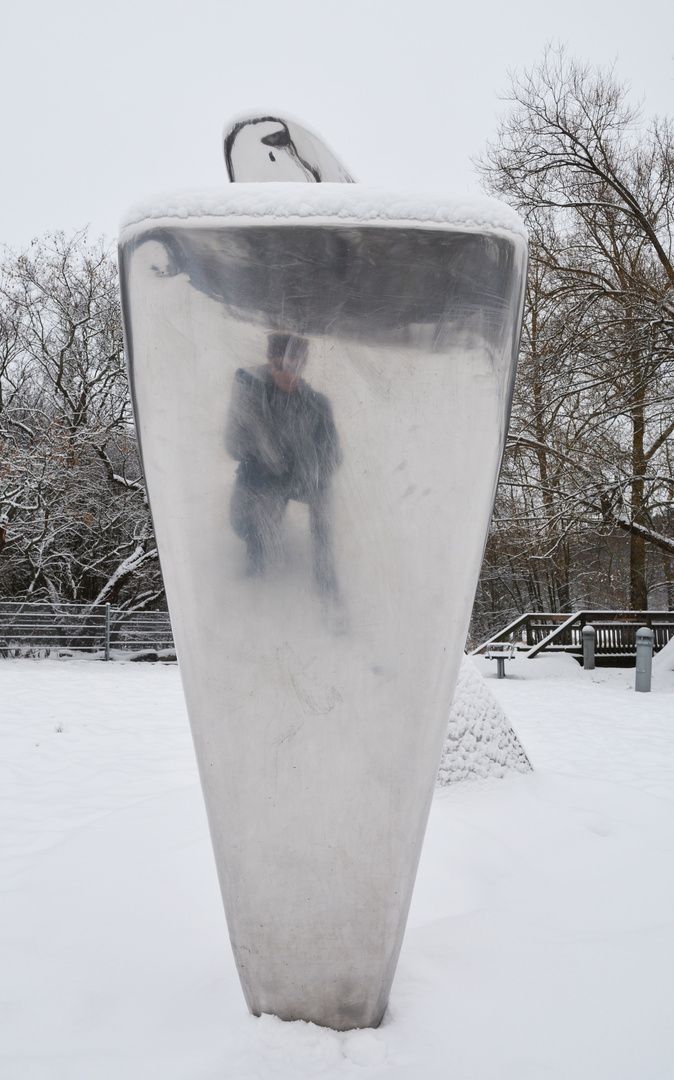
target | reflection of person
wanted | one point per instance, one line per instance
(283, 434)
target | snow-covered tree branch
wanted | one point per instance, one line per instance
(74, 520)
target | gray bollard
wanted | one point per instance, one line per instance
(642, 681)
(588, 647)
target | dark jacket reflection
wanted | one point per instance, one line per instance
(283, 434)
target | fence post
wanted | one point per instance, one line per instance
(588, 647)
(107, 632)
(642, 680)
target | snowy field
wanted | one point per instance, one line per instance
(540, 943)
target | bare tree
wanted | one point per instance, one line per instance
(591, 445)
(74, 520)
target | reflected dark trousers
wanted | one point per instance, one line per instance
(256, 512)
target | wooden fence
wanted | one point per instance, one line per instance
(615, 632)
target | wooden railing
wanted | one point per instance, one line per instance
(526, 631)
(615, 632)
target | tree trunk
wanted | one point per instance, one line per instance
(638, 587)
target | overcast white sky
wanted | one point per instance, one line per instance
(105, 102)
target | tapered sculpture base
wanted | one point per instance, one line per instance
(322, 378)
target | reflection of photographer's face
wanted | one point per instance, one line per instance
(287, 371)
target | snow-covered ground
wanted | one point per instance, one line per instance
(540, 943)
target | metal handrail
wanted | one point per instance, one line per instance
(81, 627)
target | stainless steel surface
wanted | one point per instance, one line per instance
(267, 148)
(322, 410)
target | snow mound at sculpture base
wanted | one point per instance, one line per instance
(664, 660)
(480, 741)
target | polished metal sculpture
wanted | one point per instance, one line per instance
(322, 377)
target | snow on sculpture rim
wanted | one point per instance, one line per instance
(291, 203)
